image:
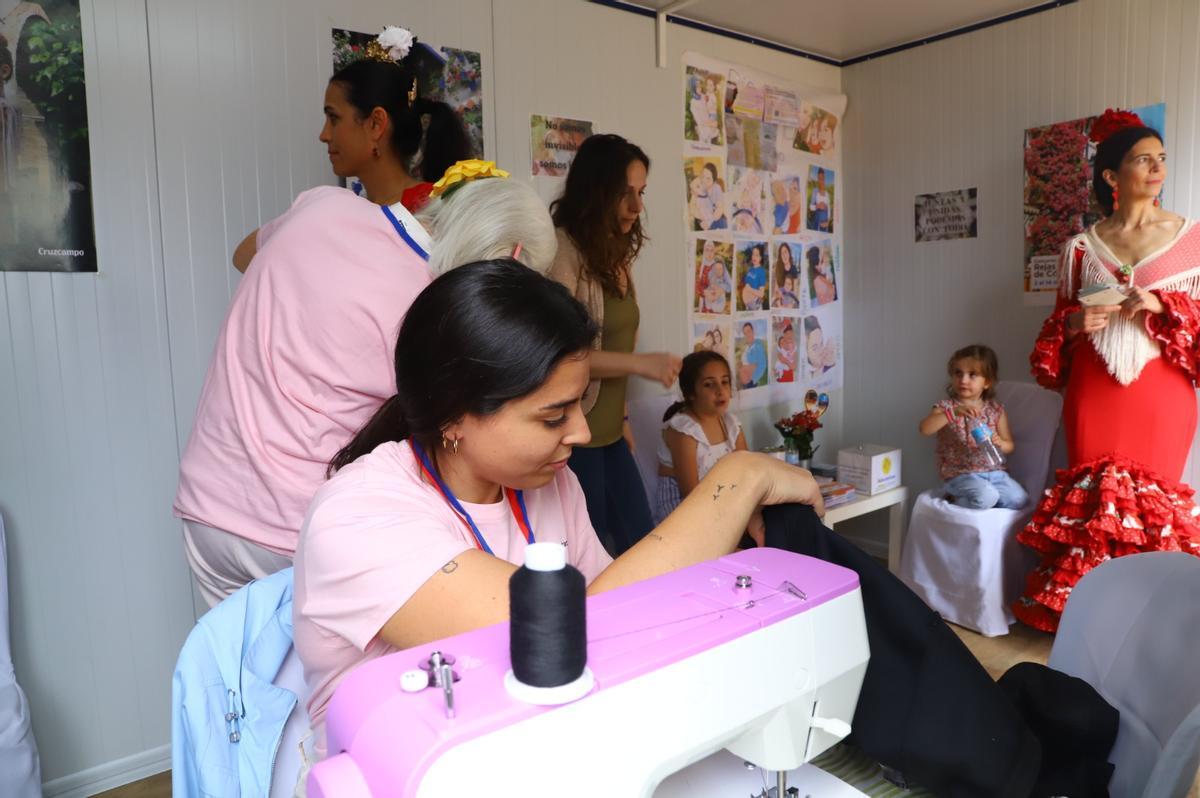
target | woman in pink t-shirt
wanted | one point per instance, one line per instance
(375, 127)
(485, 419)
(304, 358)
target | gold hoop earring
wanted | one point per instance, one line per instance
(445, 443)
(454, 447)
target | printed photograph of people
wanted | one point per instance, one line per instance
(747, 214)
(822, 285)
(783, 354)
(714, 276)
(750, 352)
(820, 199)
(705, 179)
(712, 336)
(787, 205)
(788, 291)
(816, 132)
(743, 96)
(704, 107)
(820, 348)
(752, 143)
(753, 265)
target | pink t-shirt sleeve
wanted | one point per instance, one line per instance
(584, 550)
(368, 549)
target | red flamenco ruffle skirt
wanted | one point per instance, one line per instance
(1099, 510)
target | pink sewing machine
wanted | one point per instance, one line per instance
(761, 653)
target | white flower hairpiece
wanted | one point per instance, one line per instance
(397, 41)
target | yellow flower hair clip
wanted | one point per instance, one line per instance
(462, 173)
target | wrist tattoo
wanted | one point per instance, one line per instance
(450, 567)
(655, 535)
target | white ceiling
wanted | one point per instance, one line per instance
(843, 29)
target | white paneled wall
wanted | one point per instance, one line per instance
(87, 447)
(204, 123)
(952, 115)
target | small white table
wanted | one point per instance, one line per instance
(894, 501)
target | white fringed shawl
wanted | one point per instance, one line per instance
(1123, 344)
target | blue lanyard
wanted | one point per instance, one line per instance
(516, 502)
(408, 239)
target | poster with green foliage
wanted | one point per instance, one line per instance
(45, 164)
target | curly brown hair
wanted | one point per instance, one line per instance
(588, 208)
(989, 367)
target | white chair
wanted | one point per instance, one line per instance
(20, 767)
(1130, 631)
(645, 416)
(966, 564)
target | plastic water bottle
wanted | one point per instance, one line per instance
(982, 434)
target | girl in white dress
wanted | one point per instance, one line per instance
(698, 431)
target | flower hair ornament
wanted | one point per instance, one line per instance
(1112, 121)
(462, 173)
(391, 47)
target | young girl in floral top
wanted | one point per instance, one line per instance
(971, 480)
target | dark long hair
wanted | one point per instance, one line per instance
(1109, 155)
(477, 337)
(371, 84)
(689, 374)
(588, 208)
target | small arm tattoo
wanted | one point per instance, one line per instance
(721, 488)
(450, 567)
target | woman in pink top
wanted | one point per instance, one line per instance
(374, 132)
(305, 358)
(415, 536)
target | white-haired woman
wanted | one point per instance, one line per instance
(305, 356)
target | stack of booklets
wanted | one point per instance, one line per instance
(835, 493)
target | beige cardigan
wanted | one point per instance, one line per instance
(568, 270)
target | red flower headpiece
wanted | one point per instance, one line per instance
(1111, 121)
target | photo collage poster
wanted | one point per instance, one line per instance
(761, 169)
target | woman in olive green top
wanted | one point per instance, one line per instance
(600, 233)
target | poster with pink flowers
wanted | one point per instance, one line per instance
(1059, 202)
(762, 227)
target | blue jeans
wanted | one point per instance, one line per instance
(987, 489)
(615, 494)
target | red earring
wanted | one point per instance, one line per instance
(1116, 204)
(1157, 200)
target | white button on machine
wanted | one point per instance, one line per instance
(414, 681)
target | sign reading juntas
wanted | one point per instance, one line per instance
(946, 215)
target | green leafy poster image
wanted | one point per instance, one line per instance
(45, 165)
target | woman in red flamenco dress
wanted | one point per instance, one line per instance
(1128, 372)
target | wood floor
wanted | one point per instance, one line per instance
(997, 654)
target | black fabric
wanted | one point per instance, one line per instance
(1075, 725)
(927, 707)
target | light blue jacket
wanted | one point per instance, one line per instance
(227, 717)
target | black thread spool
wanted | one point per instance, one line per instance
(548, 627)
